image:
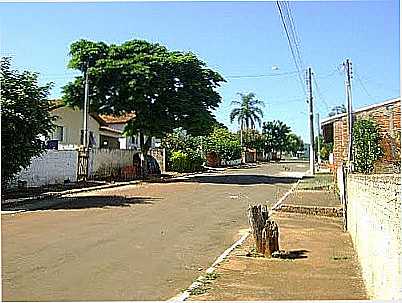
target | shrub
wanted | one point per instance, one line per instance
(366, 145)
(186, 162)
(224, 143)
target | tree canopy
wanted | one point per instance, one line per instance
(248, 112)
(276, 135)
(24, 117)
(166, 89)
(339, 109)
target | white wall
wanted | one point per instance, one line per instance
(72, 122)
(54, 166)
(374, 222)
(102, 162)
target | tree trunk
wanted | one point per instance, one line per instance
(264, 230)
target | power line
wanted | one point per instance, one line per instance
(321, 97)
(363, 87)
(294, 34)
(291, 47)
(263, 75)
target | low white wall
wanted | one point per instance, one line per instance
(374, 222)
(105, 162)
(53, 166)
(230, 162)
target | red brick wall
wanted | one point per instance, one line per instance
(388, 119)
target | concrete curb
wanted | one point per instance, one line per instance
(183, 296)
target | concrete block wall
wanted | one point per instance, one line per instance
(374, 223)
(53, 166)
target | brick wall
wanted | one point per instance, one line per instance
(388, 119)
(374, 222)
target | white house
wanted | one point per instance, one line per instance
(104, 131)
(119, 123)
(68, 132)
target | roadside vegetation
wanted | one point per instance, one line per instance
(25, 118)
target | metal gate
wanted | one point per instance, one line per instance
(82, 167)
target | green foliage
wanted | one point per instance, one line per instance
(248, 111)
(24, 117)
(253, 139)
(186, 162)
(293, 144)
(224, 143)
(179, 140)
(366, 145)
(276, 136)
(326, 149)
(166, 89)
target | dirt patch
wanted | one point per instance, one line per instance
(325, 266)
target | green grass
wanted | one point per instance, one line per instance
(322, 181)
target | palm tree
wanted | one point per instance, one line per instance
(247, 113)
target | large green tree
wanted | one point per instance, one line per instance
(24, 118)
(294, 144)
(276, 134)
(248, 112)
(166, 89)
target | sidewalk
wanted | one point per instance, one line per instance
(324, 266)
(321, 264)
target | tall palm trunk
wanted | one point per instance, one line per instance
(241, 134)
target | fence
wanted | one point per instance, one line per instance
(374, 223)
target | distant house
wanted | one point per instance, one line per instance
(386, 114)
(68, 133)
(104, 131)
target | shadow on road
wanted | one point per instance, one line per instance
(241, 179)
(79, 203)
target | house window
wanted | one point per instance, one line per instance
(91, 138)
(58, 133)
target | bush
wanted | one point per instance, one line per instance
(185, 162)
(366, 145)
(224, 143)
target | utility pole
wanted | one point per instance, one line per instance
(348, 87)
(311, 119)
(318, 136)
(86, 107)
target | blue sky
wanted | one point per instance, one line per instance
(234, 38)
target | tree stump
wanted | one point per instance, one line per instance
(264, 230)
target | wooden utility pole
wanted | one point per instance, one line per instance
(318, 136)
(348, 88)
(311, 119)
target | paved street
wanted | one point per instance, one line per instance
(137, 242)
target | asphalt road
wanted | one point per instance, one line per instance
(137, 242)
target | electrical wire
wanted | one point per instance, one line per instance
(291, 48)
(321, 97)
(363, 86)
(262, 75)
